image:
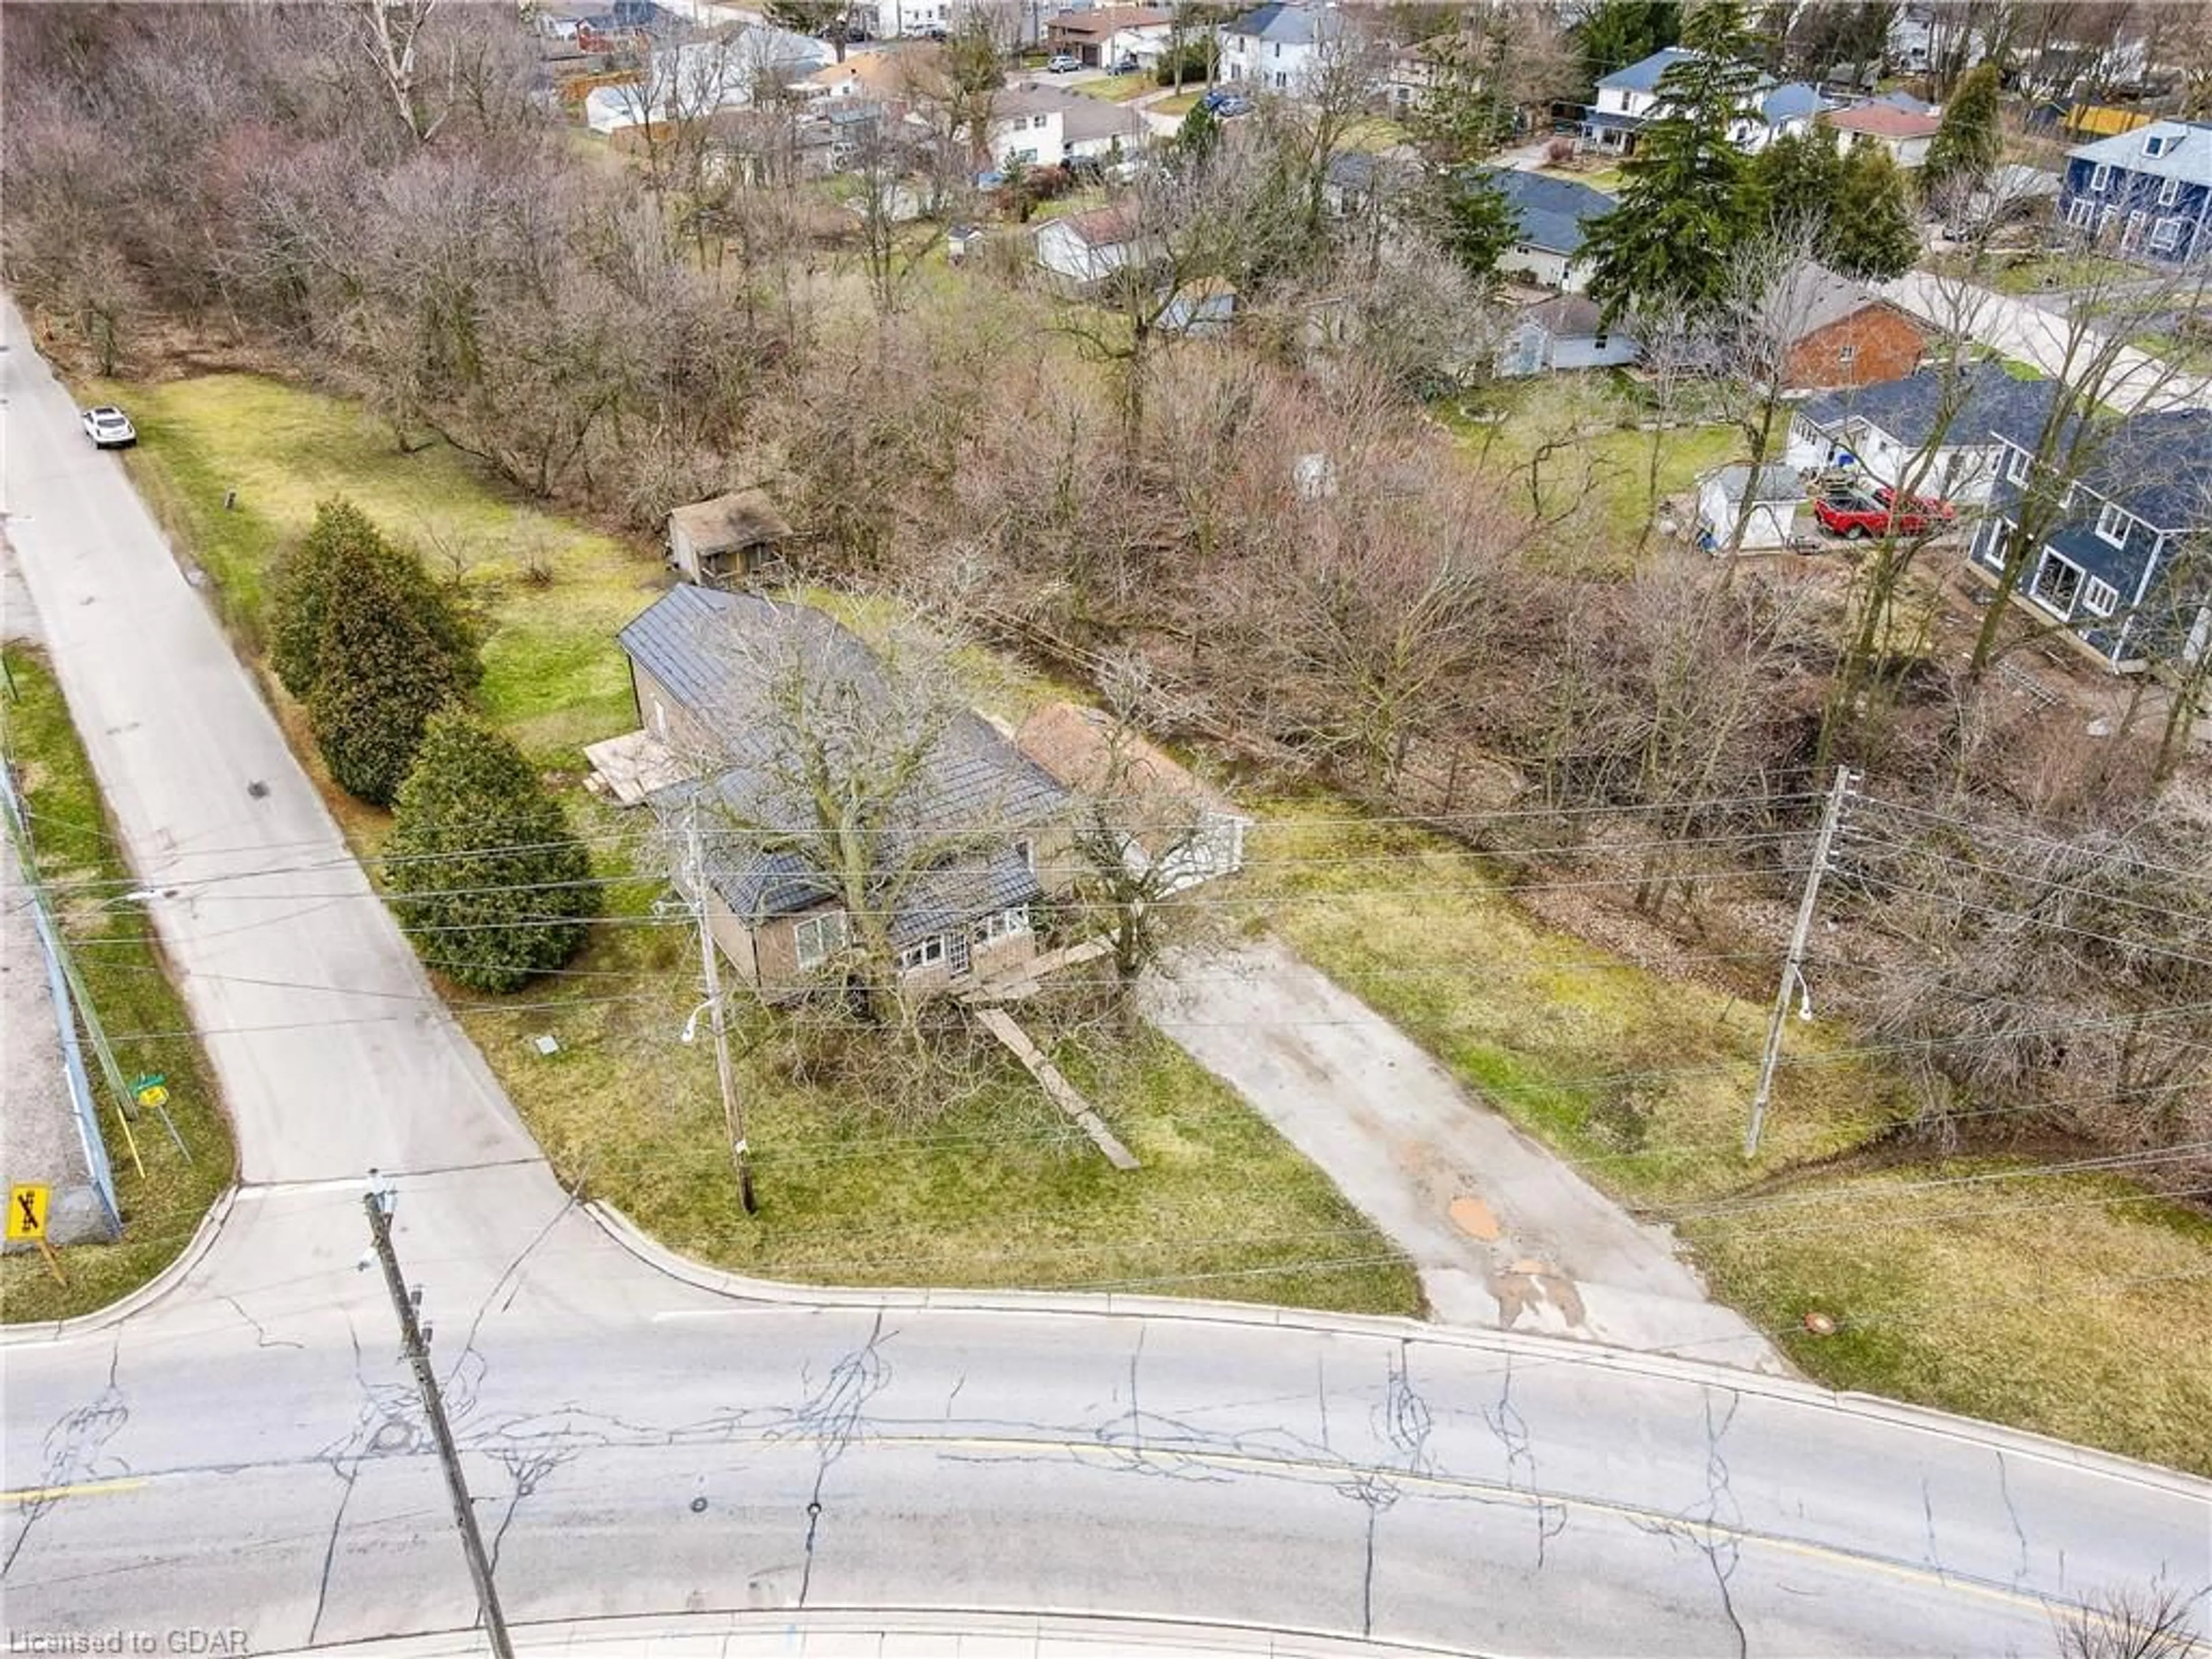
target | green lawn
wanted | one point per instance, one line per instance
(144, 1018)
(1179, 105)
(2068, 1305)
(986, 1185)
(1608, 180)
(1606, 471)
(1119, 89)
(2190, 353)
(2036, 272)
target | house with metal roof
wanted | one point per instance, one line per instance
(819, 784)
(2146, 194)
(1629, 98)
(2124, 562)
(1553, 217)
(1949, 419)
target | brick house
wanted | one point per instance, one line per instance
(1846, 335)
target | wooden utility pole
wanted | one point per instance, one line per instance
(1793, 976)
(733, 1109)
(379, 1202)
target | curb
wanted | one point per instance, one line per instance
(1512, 1345)
(45, 1331)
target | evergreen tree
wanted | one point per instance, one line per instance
(1618, 32)
(381, 672)
(1198, 134)
(1684, 198)
(1478, 224)
(300, 588)
(1969, 141)
(485, 871)
(1796, 180)
(1872, 231)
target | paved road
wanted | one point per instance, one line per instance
(243, 1450)
(1503, 1234)
(2020, 328)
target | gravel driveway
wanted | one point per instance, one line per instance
(1503, 1232)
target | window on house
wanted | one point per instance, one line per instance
(2057, 583)
(2166, 233)
(1036, 120)
(2100, 598)
(2081, 213)
(2015, 465)
(1026, 851)
(1278, 48)
(1847, 355)
(2157, 144)
(1006, 924)
(2099, 179)
(926, 954)
(2112, 524)
(2169, 192)
(819, 938)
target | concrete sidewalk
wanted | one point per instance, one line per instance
(2022, 330)
(1503, 1232)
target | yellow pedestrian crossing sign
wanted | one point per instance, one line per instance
(27, 1211)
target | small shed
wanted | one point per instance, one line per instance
(729, 538)
(1766, 497)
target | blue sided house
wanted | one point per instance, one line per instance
(2127, 562)
(2145, 193)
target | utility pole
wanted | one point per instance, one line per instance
(1793, 976)
(733, 1109)
(415, 1340)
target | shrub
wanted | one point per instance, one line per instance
(483, 866)
(381, 675)
(343, 535)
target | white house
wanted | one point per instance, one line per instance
(1008, 23)
(1104, 35)
(1880, 430)
(1628, 98)
(1905, 133)
(691, 82)
(1082, 249)
(1041, 126)
(1277, 47)
(1766, 497)
(1552, 217)
(1566, 332)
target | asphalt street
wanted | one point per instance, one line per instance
(242, 1450)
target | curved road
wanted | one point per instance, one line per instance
(243, 1450)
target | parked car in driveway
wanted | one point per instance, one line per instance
(109, 428)
(1855, 515)
(1063, 63)
(1225, 104)
(1125, 65)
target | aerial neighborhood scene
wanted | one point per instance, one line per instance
(927, 826)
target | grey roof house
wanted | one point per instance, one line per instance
(1629, 97)
(1881, 429)
(2125, 566)
(1553, 217)
(959, 854)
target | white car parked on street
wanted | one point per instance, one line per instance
(109, 428)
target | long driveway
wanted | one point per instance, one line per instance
(2020, 328)
(1503, 1234)
(242, 1450)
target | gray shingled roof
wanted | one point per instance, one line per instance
(2189, 161)
(1644, 75)
(1292, 25)
(1774, 482)
(1553, 214)
(1790, 102)
(1907, 408)
(727, 657)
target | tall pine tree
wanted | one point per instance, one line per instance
(1873, 231)
(343, 536)
(381, 671)
(1968, 142)
(1684, 201)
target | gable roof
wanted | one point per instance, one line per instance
(1075, 747)
(1793, 100)
(723, 657)
(1291, 24)
(1818, 297)
(1773, 483)
(1643, 76)
(1106, 227)
(2190, 159)
(1553, 214)
(1565, 316)
(1881, 120)
(1988, 400)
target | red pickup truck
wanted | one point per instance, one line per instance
(1853, 516)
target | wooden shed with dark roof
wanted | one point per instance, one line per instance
(727, 539)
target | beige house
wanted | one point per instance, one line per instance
(1905, 133)
(970, 850)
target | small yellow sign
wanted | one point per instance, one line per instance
(153, 1097)
(27, 1211)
